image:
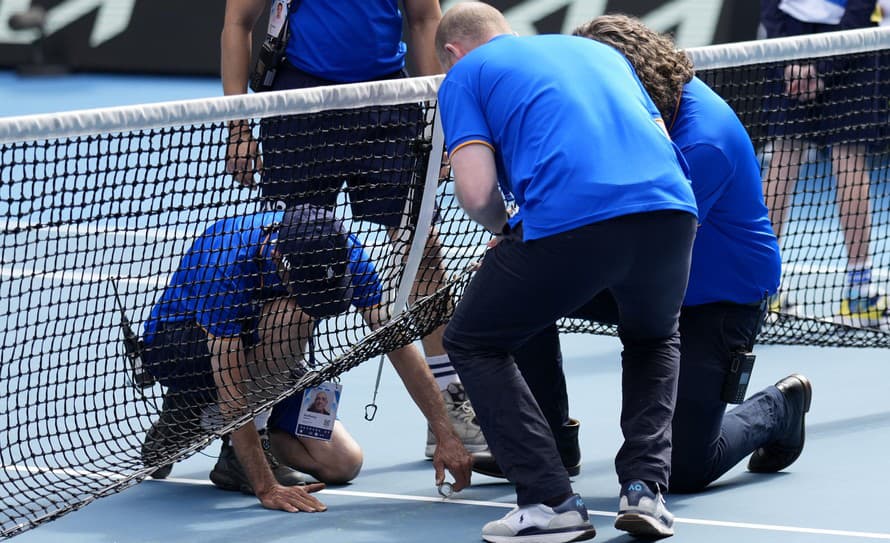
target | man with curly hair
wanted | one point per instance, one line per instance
(735, 267)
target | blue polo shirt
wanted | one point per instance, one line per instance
(736, 255)
(227, 274)
(574, 133)
(346, 40)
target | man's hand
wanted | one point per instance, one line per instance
(243, 159)
(802, 82)
(451, 454)
(293, 499)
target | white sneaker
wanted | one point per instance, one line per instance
(643, 513)
(463, 418)
(538, 523)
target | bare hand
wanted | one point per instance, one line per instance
(802, 82)
(293, 499)
(451, 454)
(243, 159)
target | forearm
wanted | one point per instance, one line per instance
(489, 211)
(249, 451)
(229, 361)
(421, 386)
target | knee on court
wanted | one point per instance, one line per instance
(687, 477)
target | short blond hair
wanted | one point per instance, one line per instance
(471, 23)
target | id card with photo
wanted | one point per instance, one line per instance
(319, 411)
(277, 17)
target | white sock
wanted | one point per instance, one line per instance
(262, 419)
(443, 371)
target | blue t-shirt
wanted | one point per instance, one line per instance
(574, 133)
(346, 40)
(736, 255)
(223, 279)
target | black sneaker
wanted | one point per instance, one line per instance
(642, 512)
(228, 474)
(781, 453)
(177, 428)
(484, 463)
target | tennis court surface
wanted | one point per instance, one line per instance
(834, 492)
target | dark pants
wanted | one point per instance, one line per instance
(178, 357)
(707, 441)
(523, 287)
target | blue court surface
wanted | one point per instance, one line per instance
(833, 493)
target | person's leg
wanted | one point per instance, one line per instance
(780, 179)
(337, 461)
(648, 297)
(540, 361)
(706, 444)
(520, 289)
(853, 200)
(863, 304)
(179, 359)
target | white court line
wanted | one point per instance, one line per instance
(608, 514)
(458, 501)
(65, 471)
(151, 233)
(74, 278)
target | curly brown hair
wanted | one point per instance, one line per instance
(661, 67)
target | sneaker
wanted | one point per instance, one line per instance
(642, 512)
(177, 428)
(463, 418)
(484, 463)
(778, 455)
(864, 307)
(228, 474)
(538, 523)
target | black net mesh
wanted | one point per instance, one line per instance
(95, 228)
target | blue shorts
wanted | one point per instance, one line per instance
(286, 412)
(378, 151)
(852, 109)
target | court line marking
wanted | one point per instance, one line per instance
(607, 514)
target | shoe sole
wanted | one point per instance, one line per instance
(642, 526)
(556, 537)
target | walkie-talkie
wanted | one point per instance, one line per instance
(133, 347)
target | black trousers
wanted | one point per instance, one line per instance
(707, 441)
(521, 288)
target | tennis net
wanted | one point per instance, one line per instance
(100, 206)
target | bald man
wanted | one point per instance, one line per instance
(564, 126)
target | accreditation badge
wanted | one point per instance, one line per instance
(319, 411)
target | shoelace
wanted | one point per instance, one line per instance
(464, 411)
(271, 459)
